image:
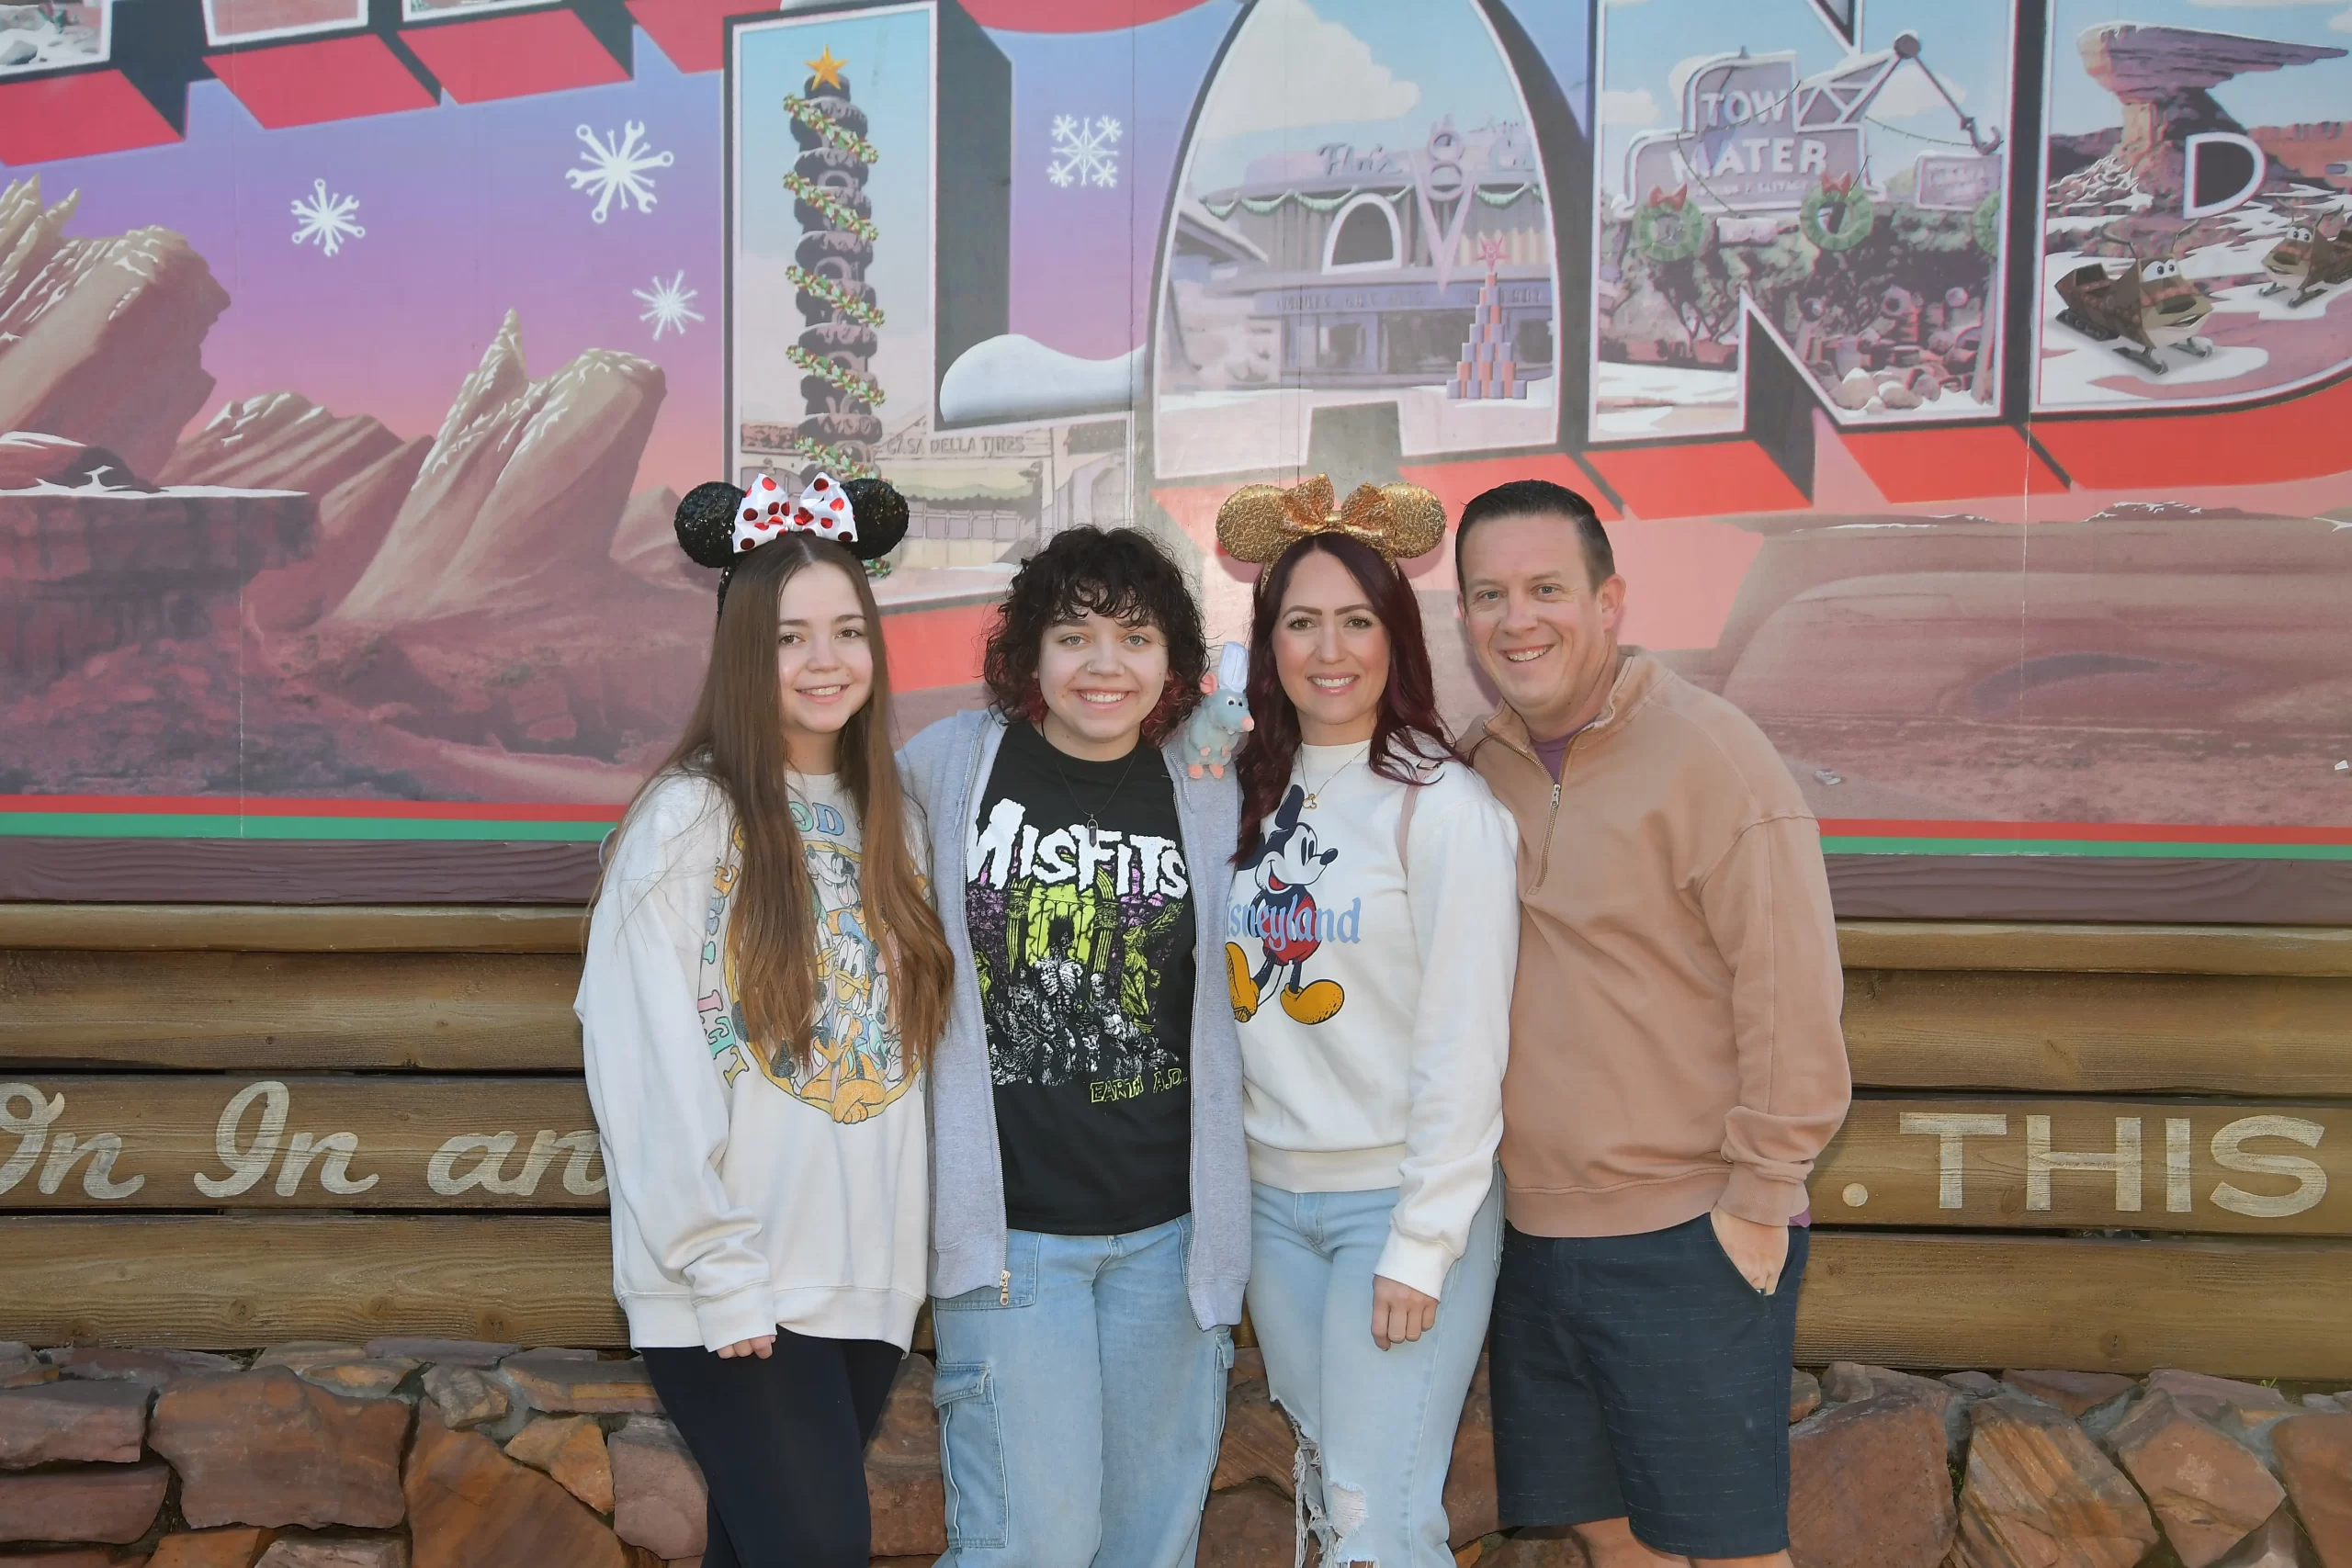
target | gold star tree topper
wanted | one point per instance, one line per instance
(826, 68)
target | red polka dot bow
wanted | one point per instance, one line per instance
(823, 510)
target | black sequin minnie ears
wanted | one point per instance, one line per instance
(717, 523)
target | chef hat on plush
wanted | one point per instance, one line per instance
(1233, 666)
(717, 523)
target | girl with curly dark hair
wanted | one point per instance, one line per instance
(1091, 1224)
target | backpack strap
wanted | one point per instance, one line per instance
(1404, 823)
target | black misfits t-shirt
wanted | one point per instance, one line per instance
(1080, 904)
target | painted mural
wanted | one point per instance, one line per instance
(1964, 390)
(258, 21)
(1351, 232)
(1838, 194)
(2195, 201)
(43, 37)
(832, 243)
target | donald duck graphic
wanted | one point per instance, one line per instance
(854, 1066)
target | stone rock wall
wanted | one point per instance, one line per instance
(420, 1453)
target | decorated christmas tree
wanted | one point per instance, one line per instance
(1487, 368)
(836, 346)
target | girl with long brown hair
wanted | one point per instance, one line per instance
(766, 980)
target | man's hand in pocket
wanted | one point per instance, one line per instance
(1759, 1252)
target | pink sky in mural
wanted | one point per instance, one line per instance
(467, 213)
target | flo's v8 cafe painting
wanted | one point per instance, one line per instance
(1964, 391)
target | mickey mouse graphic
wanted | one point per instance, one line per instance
(1287, 863)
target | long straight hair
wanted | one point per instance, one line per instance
(735, 739)
(1407, 730)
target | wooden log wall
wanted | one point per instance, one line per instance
(2092, 1147)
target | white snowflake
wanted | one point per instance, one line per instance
(327, 219)
(668, 305)
(1085, 151)
(616, 166)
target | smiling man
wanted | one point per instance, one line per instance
(1676, 1064)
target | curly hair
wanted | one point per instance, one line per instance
(1119, 572)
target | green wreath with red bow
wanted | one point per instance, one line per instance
(1686, 236)
(1857, 214)
(1985, 225)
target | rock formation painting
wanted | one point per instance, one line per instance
(2194, 243)
(289, 600)
(103, 337)
(1760, 171)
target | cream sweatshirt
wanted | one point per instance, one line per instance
(748, 1192)
(1375, 994)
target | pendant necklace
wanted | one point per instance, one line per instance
(1345, 764)
(1093, 826)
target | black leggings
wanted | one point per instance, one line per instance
(782, 1445)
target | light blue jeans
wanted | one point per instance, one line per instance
(1375, 1427)
(1081, 1406)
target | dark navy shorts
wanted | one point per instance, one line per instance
(1641, 1377)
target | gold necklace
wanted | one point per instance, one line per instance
(1344, 765)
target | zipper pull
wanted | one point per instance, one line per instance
(1551, 820)
(1004, 1289)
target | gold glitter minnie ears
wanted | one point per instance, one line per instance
(1258, 523)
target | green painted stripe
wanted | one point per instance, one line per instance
(2093, 847)
(131, 825)
(161, 825)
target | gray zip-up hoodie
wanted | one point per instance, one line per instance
(944, 769)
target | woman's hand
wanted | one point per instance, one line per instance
(1399, 1311)
(1759, 1252)
(759, 1347)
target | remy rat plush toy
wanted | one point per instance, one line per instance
(1218, 725)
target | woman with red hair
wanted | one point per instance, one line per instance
(1372, 937)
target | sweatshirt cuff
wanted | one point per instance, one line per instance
(1766, 1200)
(745, 1313)
(1419, 1263)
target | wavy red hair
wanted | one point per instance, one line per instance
(1408, 726)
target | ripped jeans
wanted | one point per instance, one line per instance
(1376, 1427)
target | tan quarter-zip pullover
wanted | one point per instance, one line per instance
(1675, 1041)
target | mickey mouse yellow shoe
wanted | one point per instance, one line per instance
(1240, 984)
(1316, 1002)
